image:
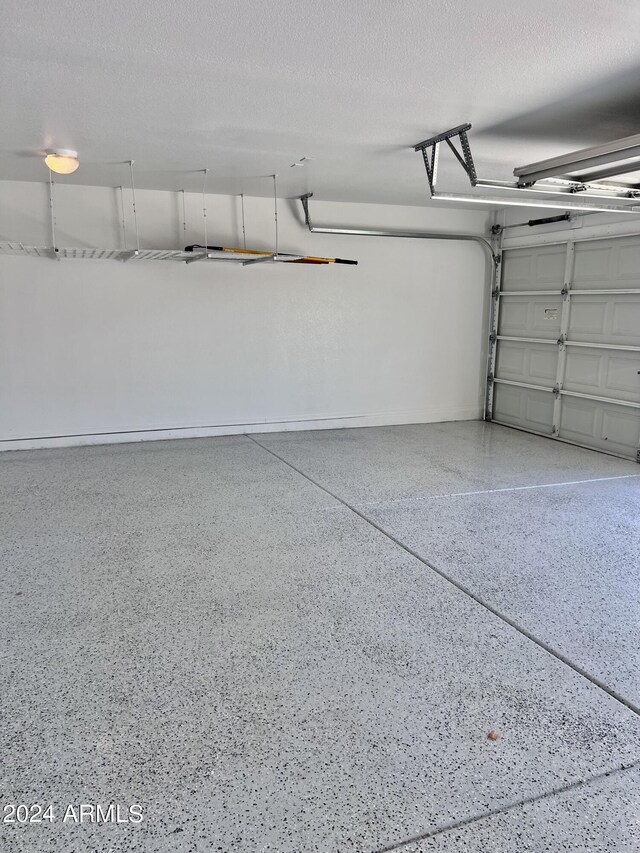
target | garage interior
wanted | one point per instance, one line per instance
(320, 420)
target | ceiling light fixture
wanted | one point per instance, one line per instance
(62, 160)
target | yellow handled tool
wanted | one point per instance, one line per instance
(282, 257)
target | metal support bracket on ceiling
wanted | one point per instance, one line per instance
(430, 150)
(260, 260)
(556, 193)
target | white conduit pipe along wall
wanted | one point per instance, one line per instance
(418, 235)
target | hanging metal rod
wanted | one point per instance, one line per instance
(244, 231)
(133, 203)
(275, 211)
(417, 235)
(52, 213)
(124, 227)
(204, 204)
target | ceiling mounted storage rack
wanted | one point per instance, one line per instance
(552, 183)
(190, 254)
(244, 257)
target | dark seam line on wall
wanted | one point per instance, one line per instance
(176, 429)
(572, 786)
(547, 648)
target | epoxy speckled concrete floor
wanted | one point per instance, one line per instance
(299, 642)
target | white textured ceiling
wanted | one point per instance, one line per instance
(247, 88)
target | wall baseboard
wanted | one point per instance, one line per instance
(311, 423)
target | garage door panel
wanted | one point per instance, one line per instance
(579, 419)
(611, 319)
(605, 426)
(533, 269)
(603, 373)
(535, 364)
(592, 266)
(524, 407)
(620, 429)
(588, 318)
(604, 264)
(531, 317)
(628, 270)
(597, 322)
(625, 324)
(543, 364)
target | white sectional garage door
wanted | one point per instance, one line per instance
(567, 353)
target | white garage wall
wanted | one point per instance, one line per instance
(94, 351)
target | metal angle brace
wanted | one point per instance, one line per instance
(196, 257)
(432, 145)
(209, 256)
(259, 260)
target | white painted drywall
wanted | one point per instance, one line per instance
(93, 350)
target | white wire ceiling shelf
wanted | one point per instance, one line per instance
(244, 257)
(190, 254)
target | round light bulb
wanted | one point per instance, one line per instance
(62, 161)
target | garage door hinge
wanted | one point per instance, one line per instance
(556, 390)
(490, 379)
(565, 291)
(495, 292)
(562, 340)
(492, 338)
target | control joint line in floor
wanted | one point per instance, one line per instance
(507, 619)
(505, 489)
(391, 848)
